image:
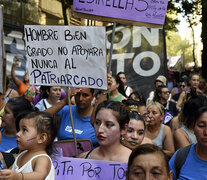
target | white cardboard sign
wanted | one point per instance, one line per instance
(73, 56)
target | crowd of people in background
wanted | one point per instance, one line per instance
(168, 126)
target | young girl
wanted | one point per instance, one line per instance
(35, 138)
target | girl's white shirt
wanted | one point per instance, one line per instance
(27, 168)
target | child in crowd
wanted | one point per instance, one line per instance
(35, 138)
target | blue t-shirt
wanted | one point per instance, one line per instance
(7, 143)
(194, 168)
(82, 125)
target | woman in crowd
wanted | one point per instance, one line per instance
(148, 161)
(136, 95)
(159, 133)
(185, 136)
(109, 125)
(13, 108)
(162, 95)
(135, 128)
(195, 165)
(116, 91)
(127, 89)
(24, 87)
(194, 87)
(50, 95)
(2, 105)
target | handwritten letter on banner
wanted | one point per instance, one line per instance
(84, 169)
(73, 56)
(148, 11)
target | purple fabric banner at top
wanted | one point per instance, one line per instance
(149, 11)
(84, 169)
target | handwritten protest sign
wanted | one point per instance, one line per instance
(84, 169)
(148, 11)
(72, 56)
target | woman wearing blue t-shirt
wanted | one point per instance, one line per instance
(195, 165)
(13, 108)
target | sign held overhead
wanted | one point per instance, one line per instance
(73, 56)
(147, 11)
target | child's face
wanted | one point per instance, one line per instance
(27, 136)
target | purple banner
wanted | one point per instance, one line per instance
(148, 11)
(84, 169)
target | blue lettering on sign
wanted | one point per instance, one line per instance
(48, 78)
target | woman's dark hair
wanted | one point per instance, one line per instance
(147, 149)
(132, 108)
(139, 95)
(158, 91)
(187, 115)
(46, 123)
(118, 109)
(199, 112)
(19, 105)
(121, 72)
(44, 91)
(121, 85)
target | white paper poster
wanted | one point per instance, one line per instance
(73, 56)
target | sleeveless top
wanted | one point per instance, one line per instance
(118, 98)
(88, 155)
(191, 136)
(27, 168)
(158, 141)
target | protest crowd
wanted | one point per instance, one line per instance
(167, 127)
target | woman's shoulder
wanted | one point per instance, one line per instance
(180, 132)
(124, 154)
(147, 141)
(167, 130)
(84, 155)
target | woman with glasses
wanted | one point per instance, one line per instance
(194, 89)
(162, 95)
(182, 87)
(159, 133)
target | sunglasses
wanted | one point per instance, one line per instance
(165, 92)
(182, 86)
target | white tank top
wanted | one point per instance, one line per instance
(27, 168)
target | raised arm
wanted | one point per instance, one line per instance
(180, 100)
(102, 97)
(59, 105)
(13, 74)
